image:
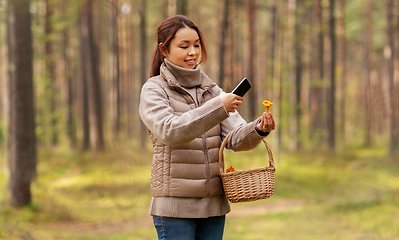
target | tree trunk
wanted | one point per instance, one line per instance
(222, 46)
(172, 7)
(50, 70)
(230, 51)
(84, 94)
(143, 62)
(164, 9)
(3, 85)
(133, 95)
(394, 91)
(93, 78)
(251, 95)
(181, 7)
(343, 62)
(21, 142)
(115, 74)
(281, 73)
(273, 47)
(68, 84)
(368, 107)
(298, 46)
(317, 82)
(123, 63)
(331, 91)
(69, 120)
(394, 139)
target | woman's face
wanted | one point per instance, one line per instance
(184, 48)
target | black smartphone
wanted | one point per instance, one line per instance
(242, 88)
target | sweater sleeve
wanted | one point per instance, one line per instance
(170, 128)
(244, 136)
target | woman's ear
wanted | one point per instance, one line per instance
(163, 50)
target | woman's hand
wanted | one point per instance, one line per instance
(266, 123)
(231, 101)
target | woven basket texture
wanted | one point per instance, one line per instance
(247, 185)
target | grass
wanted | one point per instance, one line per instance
(107, 196)
(352, 196)
(80, 196)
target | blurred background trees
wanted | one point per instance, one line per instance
(330, 68)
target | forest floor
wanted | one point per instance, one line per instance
(317, 196)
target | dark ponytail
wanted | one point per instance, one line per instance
(156, 62)
(165, 33)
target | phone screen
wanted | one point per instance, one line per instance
(242, 88)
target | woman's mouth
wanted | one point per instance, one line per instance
(190, 62)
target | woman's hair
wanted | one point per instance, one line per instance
(166, 32)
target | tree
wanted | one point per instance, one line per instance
(273, 23)
(132, 95)
(175, 7)
(21, 142)
(91, 74)
(115, 73)
(299, 70)
(317, 81)
(280, 78)
(298, 46)
(3, 79)
(143, 65)
(222, 46)
(50, 70)
(164, 9)
(343, 63)
(394, 87)
(181, 7)
(68, 81)
(331, 90)
(368, 50)
(251, 57)
(83, 86)
(394, 139)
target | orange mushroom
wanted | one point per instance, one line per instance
(267, 105)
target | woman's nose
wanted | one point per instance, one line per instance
(192, 51)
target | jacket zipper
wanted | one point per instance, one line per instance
(208, 174)
(205, 149)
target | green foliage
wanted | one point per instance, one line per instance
(353, 12)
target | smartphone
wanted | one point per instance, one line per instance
(242, 88)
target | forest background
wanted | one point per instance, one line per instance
(329, 66)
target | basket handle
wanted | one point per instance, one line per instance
(224, 143)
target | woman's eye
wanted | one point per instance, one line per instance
(184, 47)
(196, 46)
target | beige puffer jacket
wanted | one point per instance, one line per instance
(186, 136)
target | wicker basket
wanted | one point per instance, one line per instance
(247, 185)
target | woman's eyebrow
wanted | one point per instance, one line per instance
(187, 41)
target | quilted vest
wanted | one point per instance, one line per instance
(190, 169)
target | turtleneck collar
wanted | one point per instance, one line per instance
(185, 77)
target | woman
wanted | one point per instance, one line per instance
(187, 116)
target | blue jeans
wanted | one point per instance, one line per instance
(189, 228)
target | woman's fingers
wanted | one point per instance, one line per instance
(268, 122)
(273, 122)
(231, 101)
